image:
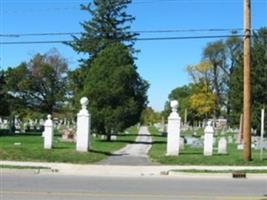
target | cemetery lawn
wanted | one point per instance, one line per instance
(30, 148)
(194, 156)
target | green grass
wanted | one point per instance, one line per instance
(220, 171)
(31, 148)
(21, 167)
(194, 156)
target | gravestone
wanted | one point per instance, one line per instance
(230, 139)
(222, 146)
(239, 136)
(240, 147)
(208, 139)
(182, 141)
(68, 135)
(173, 131)
(197, 143)
(83, 127)
(113, 137)
(103, 137)
(48, 133)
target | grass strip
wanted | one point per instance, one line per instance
(220, 171)
(22, 167)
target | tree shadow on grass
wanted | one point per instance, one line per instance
(191, 153)
(107, 153)
(62, 147)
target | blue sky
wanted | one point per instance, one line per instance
(161, 63)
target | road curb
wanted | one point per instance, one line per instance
(137, 171)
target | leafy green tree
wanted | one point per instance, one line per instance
(182, 95)
(258, 80)
(215, 54)
(4, 97)
(150, 117)
(234, 51)
(39, 85)
(116, 92)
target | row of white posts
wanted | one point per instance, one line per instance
(83, 129)
(173, 137)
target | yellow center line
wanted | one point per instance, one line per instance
(144, 195)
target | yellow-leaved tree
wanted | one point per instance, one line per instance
(202, 99)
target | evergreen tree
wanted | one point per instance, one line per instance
(116, 92)
(109, 23)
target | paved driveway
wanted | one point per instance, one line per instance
(133, 154)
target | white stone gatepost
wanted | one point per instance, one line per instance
(83, 127)
(208, 139)
(173, 130)
(48, 133)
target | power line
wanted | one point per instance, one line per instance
(138, 39)
(232, 30)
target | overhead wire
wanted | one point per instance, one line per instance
(137, 39)
(232, 30)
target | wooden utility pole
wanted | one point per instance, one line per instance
(247, 90)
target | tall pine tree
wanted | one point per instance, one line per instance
(109, 23)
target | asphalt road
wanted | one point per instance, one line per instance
(30, 186)
(132, 154)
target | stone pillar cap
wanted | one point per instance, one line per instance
(84, 101)
(174, 104)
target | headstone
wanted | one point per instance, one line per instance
(31, 123)
(5, 124)
(240, 147)
(48, 133)
(230, 139)
(173, 131)
(208, 139)
(113, 137)
(83, 127)
(222, 146)
(197, 143)
(189, 140)
(68, 135)
(41, 122)
(182, 141)
(240, 131)
(103, 137)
